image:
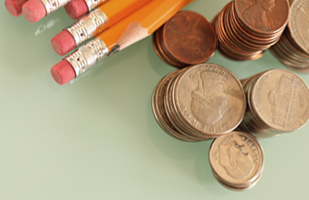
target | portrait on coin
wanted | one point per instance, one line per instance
(234, 158)
(209, 103)
(256, 15)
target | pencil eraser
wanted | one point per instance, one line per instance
(62, 72)
(14, 6)
(34, 10)
(63, 42)
(76, 8)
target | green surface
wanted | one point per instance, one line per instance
(97, 138)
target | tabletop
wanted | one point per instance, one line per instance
(96, 138)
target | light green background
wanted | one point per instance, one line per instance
(97, 139)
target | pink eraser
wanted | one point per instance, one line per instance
(76, 8)
(63, 42)
(34, 10)
(62, 72)
(14, 6)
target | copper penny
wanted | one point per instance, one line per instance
(263, 16)
(188, 38)
(237, 39)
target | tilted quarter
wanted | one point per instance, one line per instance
(299, 23)
(210, 98)
(281, 100)
(237, 158)
(263, 16)
(160, 112)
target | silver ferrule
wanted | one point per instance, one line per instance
(92, 4)
(89, 26)
(87, 56)
(53, 5)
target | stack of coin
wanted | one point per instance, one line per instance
(246, 28)
(237, 160)
(200, 102)
(186, 39)
(277, 102)
(293, 47)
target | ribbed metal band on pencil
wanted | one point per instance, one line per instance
(92, 4)
(87, 56)
(53, 5)
(89, 26)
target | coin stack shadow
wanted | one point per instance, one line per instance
(246, 29)
(293, 47)
(188, 38)
(198, 103)
(236, 160)
(277, 102)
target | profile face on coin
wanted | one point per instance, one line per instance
(281, 100)
(210, 98)
(237, 158)
(299, 23)
(209, 103)
(263, 15)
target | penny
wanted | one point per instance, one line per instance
(210, 99)
(237, 160)
(246, 28)
(188, 38)
(263, 16)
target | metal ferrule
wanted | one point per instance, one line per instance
(87, 56)
(53, 5)
(89, 26)
(92, 4)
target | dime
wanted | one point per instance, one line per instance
(237, 160)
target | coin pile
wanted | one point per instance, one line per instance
(246, 28)
(188, 38)
(200, 102)
(237, 160)
(293, 47)
(277, 102)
